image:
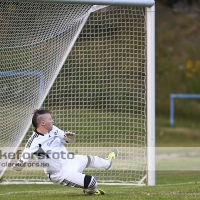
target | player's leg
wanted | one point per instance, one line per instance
(97, 162)
(86, 182)
(76, 179)
(80, 162)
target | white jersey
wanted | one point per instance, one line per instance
(49, 149)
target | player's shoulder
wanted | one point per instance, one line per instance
(55, 130)
(33, 140)
(35, 134)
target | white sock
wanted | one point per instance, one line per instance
(97, 162)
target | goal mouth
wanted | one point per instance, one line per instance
(87, 64)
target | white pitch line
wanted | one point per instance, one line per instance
(184, 183)
(35, 191)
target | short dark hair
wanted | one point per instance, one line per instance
(36, 114)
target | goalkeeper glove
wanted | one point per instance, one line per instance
(69, 137)
(18, 166)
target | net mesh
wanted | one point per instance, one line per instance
(86, 64)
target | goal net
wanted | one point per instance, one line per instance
(85, 63)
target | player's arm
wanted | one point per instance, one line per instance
(67, 136)
(19, 166)
(24, 158)
(21, 162)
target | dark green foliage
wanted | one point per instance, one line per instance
(177, 58)
(171, 2)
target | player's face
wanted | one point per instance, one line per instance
(48, 122)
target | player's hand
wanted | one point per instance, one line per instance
(69, 137)
(18, 166)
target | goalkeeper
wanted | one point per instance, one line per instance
(47, 143)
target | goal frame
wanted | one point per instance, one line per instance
(150, 65)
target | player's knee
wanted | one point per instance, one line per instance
(90, 161)
(90, 184)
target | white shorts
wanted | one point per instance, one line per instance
(72, 173)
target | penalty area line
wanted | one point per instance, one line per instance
(24, 192)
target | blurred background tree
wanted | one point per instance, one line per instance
(177, 56)
(172, 2)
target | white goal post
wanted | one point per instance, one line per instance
(92, 63)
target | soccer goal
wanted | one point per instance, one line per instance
(92, 64)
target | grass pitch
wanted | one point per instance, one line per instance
(170, 185)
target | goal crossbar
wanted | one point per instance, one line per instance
(145, 3)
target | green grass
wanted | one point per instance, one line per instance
(185, 133)
(170, 185)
